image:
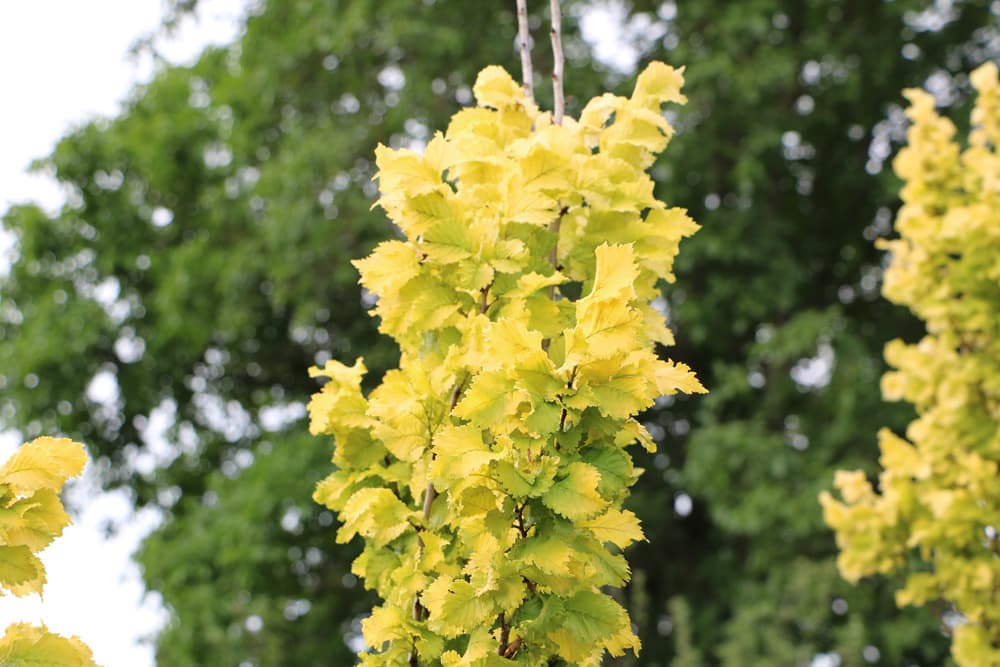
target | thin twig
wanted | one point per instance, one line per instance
(483, 302)
(430, 494)
(524, 46)
(558, 104)
(504, 636)
(554, 253)
(520, 521)
(554, 260)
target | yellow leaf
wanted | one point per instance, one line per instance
(487, 401)
(454, 606)
(599, 110)
(404, 170)
(386, 623)
(604, 329)
(549, 554)
(43, 463)
(672, 377)
(33, 521)
(376, 514)
(532, 207)
(575, 496)
(20, 568)
(546, 170)
(659, 83)
(620, 527)
(616, 272)
(406, 411)
(339, 405)
(495, 88)
(459, 453)
(25, 645)
(616, 386)
(390, 266)
(475, 501)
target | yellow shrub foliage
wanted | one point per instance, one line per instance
(934, 515)
(487, 473)
(31, 516)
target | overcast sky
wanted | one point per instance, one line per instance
(63, 63)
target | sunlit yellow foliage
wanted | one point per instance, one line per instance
(935, 516)
(31, 516)
(27, 645)
(520, 297)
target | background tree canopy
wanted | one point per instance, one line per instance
(168, 313)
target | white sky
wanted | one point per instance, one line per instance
(63, 62)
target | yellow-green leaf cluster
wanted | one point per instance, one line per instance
(26, 645)
(31, 516)
(935, 516)
(486, 474)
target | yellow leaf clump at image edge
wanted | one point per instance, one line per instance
(935, 517)
(31, 516)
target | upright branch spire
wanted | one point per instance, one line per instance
(558, 104)
(524, 46)
(525, 524)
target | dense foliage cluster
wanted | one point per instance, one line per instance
(487, 472)
(934, 513)
(202, 261)
(31, 516)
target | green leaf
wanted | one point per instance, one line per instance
(455, 607)
(591, 622)
(549, 554)
(481, 651)
(614, 465)
(529, 480)
(575, 496)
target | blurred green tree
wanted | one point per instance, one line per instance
(168, 312)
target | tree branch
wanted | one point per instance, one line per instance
(524, 46)
(559, 104)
